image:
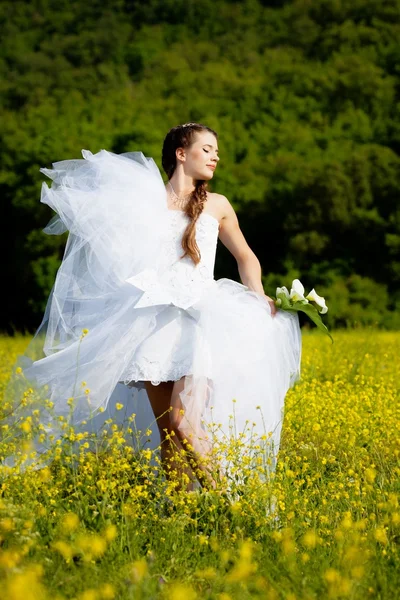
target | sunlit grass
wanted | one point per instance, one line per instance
(107, 525)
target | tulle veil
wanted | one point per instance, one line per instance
(70, 370)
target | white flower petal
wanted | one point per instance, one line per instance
(319, 301)
(284, 290)
(298, 287)
(297, 291)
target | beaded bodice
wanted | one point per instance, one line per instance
(178, 280)
(206, 237)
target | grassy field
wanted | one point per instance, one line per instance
(108, 527)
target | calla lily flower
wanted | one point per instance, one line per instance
(282, 290)
(319, 301)
(297, 291)
(296, 302)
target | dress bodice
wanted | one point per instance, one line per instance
(178, 280)
(206, 237)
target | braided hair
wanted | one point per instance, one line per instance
(182, 137)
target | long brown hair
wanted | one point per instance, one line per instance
(182, 137)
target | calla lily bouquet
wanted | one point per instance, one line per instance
(312, 304)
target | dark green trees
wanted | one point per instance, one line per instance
(304, 95)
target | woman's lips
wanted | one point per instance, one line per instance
(213, 167)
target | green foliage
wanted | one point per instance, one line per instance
(302, 94)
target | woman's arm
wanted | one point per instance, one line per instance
(232, 237)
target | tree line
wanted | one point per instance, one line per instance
(304, 96)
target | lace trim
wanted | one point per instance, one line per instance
(152, 371)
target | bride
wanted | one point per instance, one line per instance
(136, 318)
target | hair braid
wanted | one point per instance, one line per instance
(194, 208)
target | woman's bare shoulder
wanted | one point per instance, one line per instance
(217, 205)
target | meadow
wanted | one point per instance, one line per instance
(326, 525)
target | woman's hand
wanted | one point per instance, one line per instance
(271, 302)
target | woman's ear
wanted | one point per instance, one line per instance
(181, 154)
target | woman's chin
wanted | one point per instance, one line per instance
(206, 176)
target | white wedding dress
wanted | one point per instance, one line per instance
(150, 315)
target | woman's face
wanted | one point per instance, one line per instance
(201, 158)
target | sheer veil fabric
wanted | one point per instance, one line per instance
(126, 308)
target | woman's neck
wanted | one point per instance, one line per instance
(182, 185)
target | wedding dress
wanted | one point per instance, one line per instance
(126, 308)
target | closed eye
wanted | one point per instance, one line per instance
(208, 150)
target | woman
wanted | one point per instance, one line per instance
(135, 317)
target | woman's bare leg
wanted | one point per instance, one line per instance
(192, 438)
(173, 457)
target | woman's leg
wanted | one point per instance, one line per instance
(191, 435)
(173, 457)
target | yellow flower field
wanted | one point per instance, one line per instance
(327, 525)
